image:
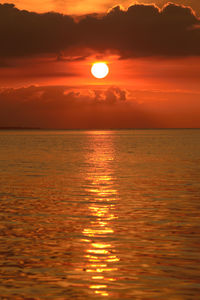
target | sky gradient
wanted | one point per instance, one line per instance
(81, 7)
(153, 52)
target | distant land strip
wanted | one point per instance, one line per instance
(96, 129)
(19, 128)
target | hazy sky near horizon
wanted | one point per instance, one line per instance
(153, 52)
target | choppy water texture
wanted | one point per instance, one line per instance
(100, 214)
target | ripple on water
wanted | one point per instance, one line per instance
(92, 214)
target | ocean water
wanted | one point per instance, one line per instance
(100, 214)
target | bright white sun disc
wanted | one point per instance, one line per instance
(99, 70)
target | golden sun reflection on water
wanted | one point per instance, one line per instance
(100, 251)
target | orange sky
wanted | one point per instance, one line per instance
(157, 87)
(170, 74)
(89, 6)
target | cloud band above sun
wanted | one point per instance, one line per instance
(141, 30)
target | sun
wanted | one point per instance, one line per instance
(100, 70)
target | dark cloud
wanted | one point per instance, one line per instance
(61, 107)
(144, 30)
(195, 4)
(24, 33)
(112, 107)
(141, 30)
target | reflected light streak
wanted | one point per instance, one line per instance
(98, 245)
(100, 253)
(102, 293)
(97, 277)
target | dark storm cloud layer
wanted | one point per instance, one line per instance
(141, 30)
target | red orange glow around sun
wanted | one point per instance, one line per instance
(99, 70)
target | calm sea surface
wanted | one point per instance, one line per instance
(100, 214)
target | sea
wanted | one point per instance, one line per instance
(100, 214)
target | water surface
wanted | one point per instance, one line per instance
(100, 214)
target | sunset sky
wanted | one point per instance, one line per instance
(48, 48)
